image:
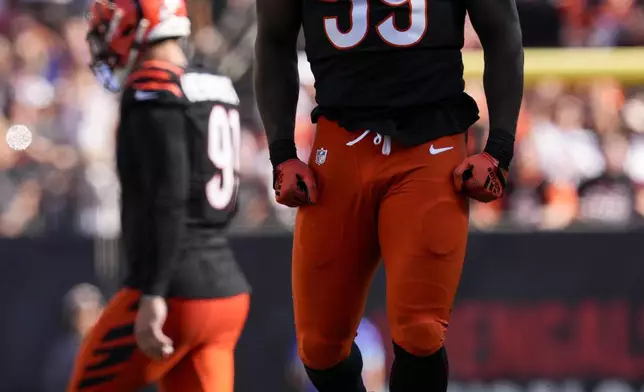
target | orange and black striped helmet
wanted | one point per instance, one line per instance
(120, 29)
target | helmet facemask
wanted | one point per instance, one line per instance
(110, 67)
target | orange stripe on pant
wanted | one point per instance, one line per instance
(377, 199)
(205, 332)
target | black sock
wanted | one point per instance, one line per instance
(343, 377)
(411, 373)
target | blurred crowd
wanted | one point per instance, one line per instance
(579, 158)
(580, 149)
(582, 22)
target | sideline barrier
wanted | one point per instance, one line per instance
(562, 310)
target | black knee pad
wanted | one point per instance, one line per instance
(343, 377)
(422, 374)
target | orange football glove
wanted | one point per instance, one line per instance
(480, 178)
(295, 184)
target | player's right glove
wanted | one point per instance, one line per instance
(294, 184)
(293, 180)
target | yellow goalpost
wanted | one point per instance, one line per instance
(624, 64)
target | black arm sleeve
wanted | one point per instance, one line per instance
(498, 27)
(164, 170)
(276, 73)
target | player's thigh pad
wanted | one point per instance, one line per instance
(423, 227)
(335, 251)
(216, 324)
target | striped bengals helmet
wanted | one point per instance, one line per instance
(120, 29)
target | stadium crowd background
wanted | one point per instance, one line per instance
(579, 157)
(64, 183)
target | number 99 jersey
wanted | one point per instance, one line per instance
(384, 53)
(180, 132)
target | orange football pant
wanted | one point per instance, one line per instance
(204, 331)
(377, 200)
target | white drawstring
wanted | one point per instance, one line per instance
(386, 145)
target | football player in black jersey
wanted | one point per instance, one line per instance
(185, 300)
(389, 176)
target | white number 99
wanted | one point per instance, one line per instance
(386, 29)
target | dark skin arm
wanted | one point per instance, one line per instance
(277, 81)
(498, 27)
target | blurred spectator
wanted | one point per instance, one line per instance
(82, 306)
(532, 200)
(633, 118)
(617, 23)
(568, 151)
(609, 198)
(599, 22)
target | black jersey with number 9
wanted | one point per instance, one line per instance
(214, 116)
(178, 161)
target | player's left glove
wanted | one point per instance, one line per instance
(483, 177)
(480, 178)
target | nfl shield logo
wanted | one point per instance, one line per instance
(320, 156)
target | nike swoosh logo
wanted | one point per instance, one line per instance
(436, 151)
(144, 95)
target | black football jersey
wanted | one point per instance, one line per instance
(212, 130)
(383, 57)
(178, 159)
(384, 52)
